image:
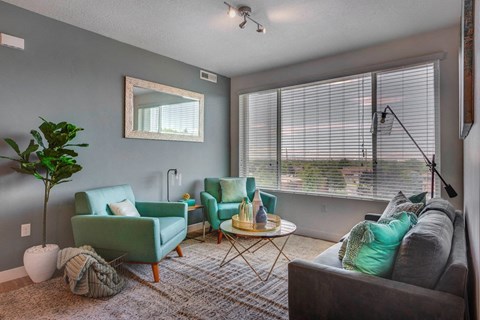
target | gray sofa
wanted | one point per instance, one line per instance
(428, 280)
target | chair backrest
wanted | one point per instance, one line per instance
(95, 201)
(212, 186)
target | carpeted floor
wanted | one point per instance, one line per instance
(192, 287)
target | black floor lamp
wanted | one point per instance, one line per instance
(384, 126)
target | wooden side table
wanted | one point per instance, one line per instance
(194, 208)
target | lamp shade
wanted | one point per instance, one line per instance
(382, 123)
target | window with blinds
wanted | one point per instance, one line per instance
(315, 138)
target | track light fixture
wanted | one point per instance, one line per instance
(245, 12)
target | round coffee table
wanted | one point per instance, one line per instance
(286, 229)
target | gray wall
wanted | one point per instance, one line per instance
(66, 73)
(330, 217)
(472, 176)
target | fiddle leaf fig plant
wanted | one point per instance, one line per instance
(49, 158)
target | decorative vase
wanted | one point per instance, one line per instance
(242, 211)
(245, 211)
(40, 263)
(261, 216)
(257, 202)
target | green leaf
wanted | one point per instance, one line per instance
(77, 145)
(32, 147)
(69, 152)
(13, 144)
(37, 137)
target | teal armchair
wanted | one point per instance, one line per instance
(217, 212)
(161, 227)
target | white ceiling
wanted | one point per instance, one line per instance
(200, 33)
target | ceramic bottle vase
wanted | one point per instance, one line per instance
(261, 217)
(257, 202)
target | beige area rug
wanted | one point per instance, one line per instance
(192, 287)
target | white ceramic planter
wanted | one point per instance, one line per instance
(40, 263)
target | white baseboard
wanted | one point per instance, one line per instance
(314, 233)
(12, 274)
(198, 227)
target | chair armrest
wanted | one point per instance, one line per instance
(269, 200)
(138, 236)
(372, 216)
(211, 209)
(162, 209)
(317, 291)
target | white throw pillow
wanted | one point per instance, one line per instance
(124, 208)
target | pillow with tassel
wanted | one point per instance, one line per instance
(372, 247)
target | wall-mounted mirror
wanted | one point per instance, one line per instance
(160, 112)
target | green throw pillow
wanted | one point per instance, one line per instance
(233, 189)
(372, 247)
(419, 198)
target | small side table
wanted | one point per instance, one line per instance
(194, 208)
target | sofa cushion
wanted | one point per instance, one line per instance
(227, 210)
(233, 189)
(424, 251)
(441, 205)
(329, 257)
(170, 227)
(372, 246)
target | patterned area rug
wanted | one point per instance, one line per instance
(192, 287)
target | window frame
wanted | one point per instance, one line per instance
(434, 60)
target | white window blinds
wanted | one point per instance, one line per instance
(315, 138)
(325, 136)
(258, 138)
(411, 93)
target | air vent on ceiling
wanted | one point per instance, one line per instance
(208, 76)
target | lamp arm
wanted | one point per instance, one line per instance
(432, 165)
(408, 133)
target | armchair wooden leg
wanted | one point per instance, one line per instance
(156, 276)
(219, 237)
(179, 251)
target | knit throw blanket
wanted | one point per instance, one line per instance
(88, 274)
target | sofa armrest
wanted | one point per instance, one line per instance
(211, 208)
(317, 291)
(162, 209)
(138, 236)
(372, 216)
(269, 200)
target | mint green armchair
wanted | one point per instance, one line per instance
(147, 239)
(217, 212)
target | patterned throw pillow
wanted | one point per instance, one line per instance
(372, 246)
(401, 203)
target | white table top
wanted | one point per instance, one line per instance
(286, 228)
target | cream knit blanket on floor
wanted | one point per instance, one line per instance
(87, 273)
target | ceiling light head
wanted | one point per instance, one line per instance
(261, 29)
(231, 12)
